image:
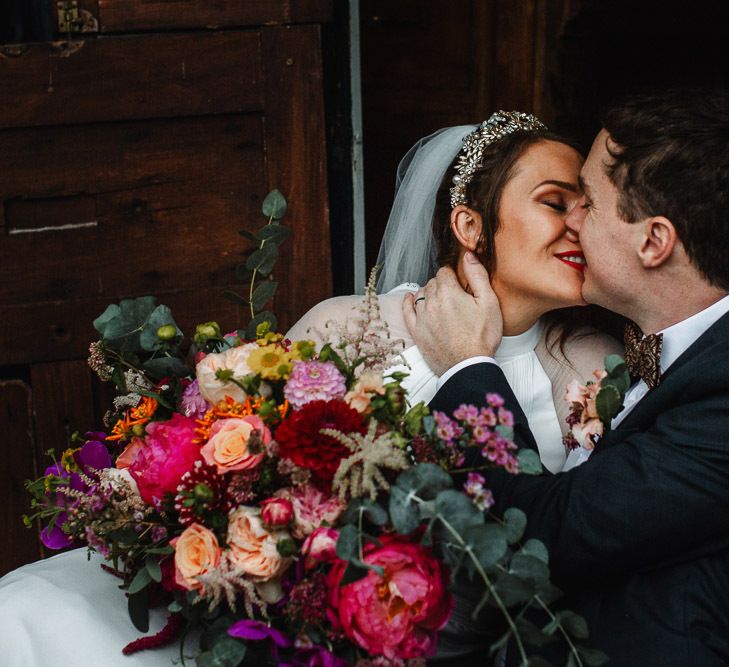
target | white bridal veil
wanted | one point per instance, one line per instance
(407, 252)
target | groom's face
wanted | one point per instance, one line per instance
(606, 239)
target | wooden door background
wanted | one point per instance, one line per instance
(132, 154)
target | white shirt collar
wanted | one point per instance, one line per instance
(680, 336)
(514, 346)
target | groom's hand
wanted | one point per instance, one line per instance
(450, 325)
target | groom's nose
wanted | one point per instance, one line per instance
(575, 217)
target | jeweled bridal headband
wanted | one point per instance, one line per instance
(496, 127)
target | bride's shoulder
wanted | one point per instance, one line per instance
(586, 348)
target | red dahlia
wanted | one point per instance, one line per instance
(300, 439)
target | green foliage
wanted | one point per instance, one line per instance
(138, 607)
(133, 326)
(260, 262)
(609, 400)
(529, 462)
(515, 522)
(225, 652)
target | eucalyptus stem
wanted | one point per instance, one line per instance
(552, 617)
(492, 590)
(255, 272)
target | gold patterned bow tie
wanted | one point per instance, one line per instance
(643, 355)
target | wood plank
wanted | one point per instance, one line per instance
(131, 77)
(514, 67)
(19, 544)
(63, 329)
(183, 185)
(130, 15)
(296, 164)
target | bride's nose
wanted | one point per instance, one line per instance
(571, 235)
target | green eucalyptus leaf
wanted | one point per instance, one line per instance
(575, 624)
(138, 608)
(263, 259)
(529, 462)
(148, 337)
(153, 568)
(348, 542)
(531, 634)
(375, 514)
(120, 327)
(174, 607)
(529, 568)
(458, 509)
(228, 652)
(249, 235)
(608, 402)
(235, 297)
(426, 480)
(165, 367)
(265, 316)
(274, 205)
(273, 233)
(515, 522)
(538, 661)
(512, 590)
(141, 580)
(404, 512)
(613, 362)
(536, 549)
(263, 294)
(592, 657)
(243, 273)
(488, 543)
(353, 573)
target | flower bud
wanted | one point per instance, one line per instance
(320, 547)
(203, 492)
(167, 332)
(138, 430)
(276, 512)
(286, 547)
(206, 331)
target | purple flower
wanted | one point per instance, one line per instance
(316, 656)
(192, 403)
(257, 631)
(494, 400)
(314, 381)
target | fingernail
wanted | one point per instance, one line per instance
(470, 257)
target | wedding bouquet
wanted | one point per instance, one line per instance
(286, 500)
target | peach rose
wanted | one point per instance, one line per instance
(236, 443)
(235, 360)
(368, 384)
(252, 548)
(196, 552)
(125, 459)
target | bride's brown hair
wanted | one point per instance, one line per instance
(484, 196)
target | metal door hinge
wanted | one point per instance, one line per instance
(72, 20)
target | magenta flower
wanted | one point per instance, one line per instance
(314, 381)
(192, 403)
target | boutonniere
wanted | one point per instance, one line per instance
(593, 405)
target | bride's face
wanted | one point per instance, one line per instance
(539, 263)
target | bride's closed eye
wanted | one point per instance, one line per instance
(556, 205)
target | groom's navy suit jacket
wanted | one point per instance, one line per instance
(639, 534)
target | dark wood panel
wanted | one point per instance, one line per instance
(19, 545)
(63, 399)
(296, 164)
(143, 76)
(63, 329)
(158, 206)
(125, 15)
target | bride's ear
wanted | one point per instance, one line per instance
(466, 225)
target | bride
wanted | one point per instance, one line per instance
(65, 611)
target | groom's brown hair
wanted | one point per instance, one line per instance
(671, 158)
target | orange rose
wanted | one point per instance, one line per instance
(236, 443)
(369, 384)
(252, 548)
(196, 552)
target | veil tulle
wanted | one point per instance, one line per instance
(408, 252)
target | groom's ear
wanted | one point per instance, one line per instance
(657, 242)
(466, 225)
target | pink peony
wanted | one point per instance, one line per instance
(167, 454)
(314, 381)
(276, 512)
(320, 547)
(397, 615)
(312, 507)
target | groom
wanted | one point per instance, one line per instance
(639, 534)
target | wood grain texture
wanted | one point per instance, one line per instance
(131, 15)
(296, 165)
(19, 544)
(141, 76)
